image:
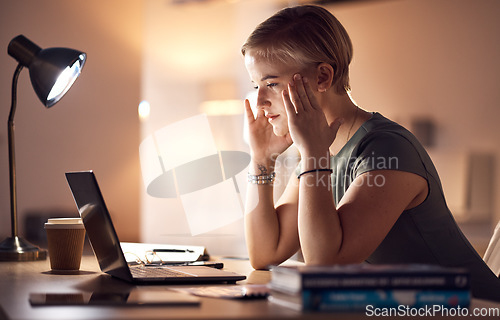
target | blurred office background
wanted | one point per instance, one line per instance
(431, 65)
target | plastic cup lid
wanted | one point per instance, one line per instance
(64, 223)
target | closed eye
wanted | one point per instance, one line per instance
(269, 85)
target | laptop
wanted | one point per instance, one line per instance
(104, 241)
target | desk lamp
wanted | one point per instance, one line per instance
(52, 72)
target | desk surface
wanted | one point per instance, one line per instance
(19, 279)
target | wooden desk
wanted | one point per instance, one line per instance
(19, 279)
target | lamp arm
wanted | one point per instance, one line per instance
(12, 155)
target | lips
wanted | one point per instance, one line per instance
(271, 117)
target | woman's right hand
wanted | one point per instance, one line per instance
(264, 144)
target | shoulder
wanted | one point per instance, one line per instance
(379, 127)
(388, 145)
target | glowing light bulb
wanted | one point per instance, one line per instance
(65, 80)
(144, 109)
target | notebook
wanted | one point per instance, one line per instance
(106, 245)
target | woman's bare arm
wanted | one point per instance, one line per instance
(271, 230)
(365, 215)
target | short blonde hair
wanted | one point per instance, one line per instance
(305, 34)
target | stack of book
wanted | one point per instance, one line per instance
(356, 287)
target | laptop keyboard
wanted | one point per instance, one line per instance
(156, 272)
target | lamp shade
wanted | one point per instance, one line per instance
(52, 70)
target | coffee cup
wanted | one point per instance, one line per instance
(65, 238)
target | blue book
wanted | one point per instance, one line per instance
(399, 302)
(295, 279)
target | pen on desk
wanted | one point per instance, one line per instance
(172, 250)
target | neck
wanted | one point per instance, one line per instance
(342, 106)
(337, 106)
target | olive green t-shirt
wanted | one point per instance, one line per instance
(427, 233)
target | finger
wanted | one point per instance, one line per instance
(294, 97)
(261, 114)
(289, 106)
(249, 112)
(310, 94)
(301, 92)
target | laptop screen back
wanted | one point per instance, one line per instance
(98, 224)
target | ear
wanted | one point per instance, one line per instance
(324, 76)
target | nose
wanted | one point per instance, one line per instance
(262, 99)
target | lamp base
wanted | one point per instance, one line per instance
(18, 249)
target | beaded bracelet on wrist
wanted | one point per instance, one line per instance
(262, 179)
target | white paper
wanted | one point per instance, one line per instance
(135, 250)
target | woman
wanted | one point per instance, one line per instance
(365, 188)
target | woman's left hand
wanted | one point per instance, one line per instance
(309, 128)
